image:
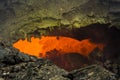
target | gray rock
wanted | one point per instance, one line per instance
(57, 77)
(93, 72)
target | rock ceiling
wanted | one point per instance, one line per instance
(19, 18)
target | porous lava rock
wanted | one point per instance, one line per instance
(15, 65)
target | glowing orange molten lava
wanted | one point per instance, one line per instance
(38, 47)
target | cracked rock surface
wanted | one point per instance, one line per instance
(19, 66)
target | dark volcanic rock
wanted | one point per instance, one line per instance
(93, 72)
(39, 70)
(112, 66)
(97, 57)
(19, 66)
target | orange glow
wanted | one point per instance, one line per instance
(38, 47)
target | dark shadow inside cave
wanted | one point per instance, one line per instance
(97, 33)
(69, 61)
(101, 33)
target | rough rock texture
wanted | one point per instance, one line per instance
(98, 57)
(19, 66)
(15, 65)
(114, 12)
(23, 18)
(93, 72)
(38, 70)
